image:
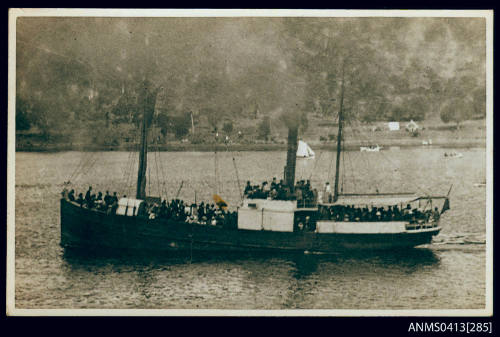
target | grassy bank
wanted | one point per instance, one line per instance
(328, 146)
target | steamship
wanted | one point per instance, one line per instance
(262, 224)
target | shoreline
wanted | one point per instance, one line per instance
(183, 147)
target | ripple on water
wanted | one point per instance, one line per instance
(447, 274)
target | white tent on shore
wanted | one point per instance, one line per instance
(304, 151)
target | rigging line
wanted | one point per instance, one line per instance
(164, 188)
(349, 160)
(127, 168)
(158, 182)
(149, 179)
(330, 166)
(132, 171)
(351, 165)
(333, 157)
(315, 164)
(77, 168)
(85, 163)
(81, 162)
(86, 173)
(130, 163)
(365, 159)
(352, 170)
(343, 170)
(237, 179)
(130, 181)
(215, 167)
(85, 167)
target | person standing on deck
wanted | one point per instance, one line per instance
(274, 184)
(88, 196)
(248, 188)
(80, 200)
(435, 215)
(298, 195)
(71, 195)
(107, 199)
(327, 195)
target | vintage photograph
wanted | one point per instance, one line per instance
(250, 162)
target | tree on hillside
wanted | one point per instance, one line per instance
(227, 127)
(479, 102)
(22, 114)
(417, 107)
(264, 128)
(456, 111)
(329, 59)
(181, 124)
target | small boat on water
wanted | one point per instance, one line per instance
(453, 154)
(371, 148)
(328, 223)
(304, 150)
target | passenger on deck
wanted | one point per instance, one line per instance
(265, 189)
(314, 197)
(88, 196)
(299, 196)
(107, 199)
(201, 210)
(397, 212)
(327, 193)
(436, 215)
(71, 195)
(274, 184)
(248, 188)
(80, 200)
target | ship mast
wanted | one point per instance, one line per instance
(291, 157)
(147, 99)
(339, 140)
(143, 151)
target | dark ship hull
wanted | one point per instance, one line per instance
(88, 229)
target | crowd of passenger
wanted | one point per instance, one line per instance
(101, 202)
(305, 195)
(391, 213)
(176, 209)
(203, 213)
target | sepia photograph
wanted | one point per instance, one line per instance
(250, 162)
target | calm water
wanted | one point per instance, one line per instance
(447, 274)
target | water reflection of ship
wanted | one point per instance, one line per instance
(303, 264)
(262, 224)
